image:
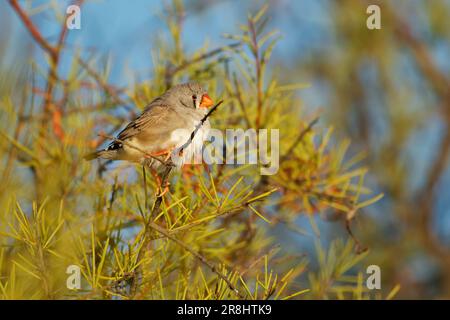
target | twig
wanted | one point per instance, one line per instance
(225, 214)
(240, 101)
(258, 67)
(299, 138)
(170, 72)
(198, 126)
(33, 30)
(424, 59)
(17, 131)
(105, 86)
(197, 255)
(358, 247)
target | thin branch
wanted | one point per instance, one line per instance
(33, 30)
(423, 57)
(299, 138)
(258, 67)
(359, 248)
(199, 125)
(19, 127)
(197, 255)
(172, 71)
(240, 101)
(110, 90)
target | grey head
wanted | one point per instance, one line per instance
(189, 95)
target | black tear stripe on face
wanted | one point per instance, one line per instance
(194, 100)
(194, 96)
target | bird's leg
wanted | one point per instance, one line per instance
(170, 151)
(169, 154)
(159, 185)
(156, 154)
(165, 190)
(166, 152)
(159, 153)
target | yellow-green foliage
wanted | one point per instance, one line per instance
(216, 223)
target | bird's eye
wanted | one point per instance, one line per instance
(194, 97)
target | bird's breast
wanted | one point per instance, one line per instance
(192, 149)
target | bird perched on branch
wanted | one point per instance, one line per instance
(166, 124)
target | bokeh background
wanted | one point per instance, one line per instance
(387, 90)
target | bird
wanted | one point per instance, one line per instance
(165, 124)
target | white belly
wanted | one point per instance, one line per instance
(191, 150)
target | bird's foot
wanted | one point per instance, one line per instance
(163, 191)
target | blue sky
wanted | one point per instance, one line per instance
(125, 31)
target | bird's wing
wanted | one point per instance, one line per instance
(152, 128)
(154, 115)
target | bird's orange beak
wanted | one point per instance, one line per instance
(206, 101)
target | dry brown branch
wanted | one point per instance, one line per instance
(423, 57)
(241, 102)
(109, 89)
(49, 106)
(172, 71)
(33, 30)
(299, 139)
(197, 255)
